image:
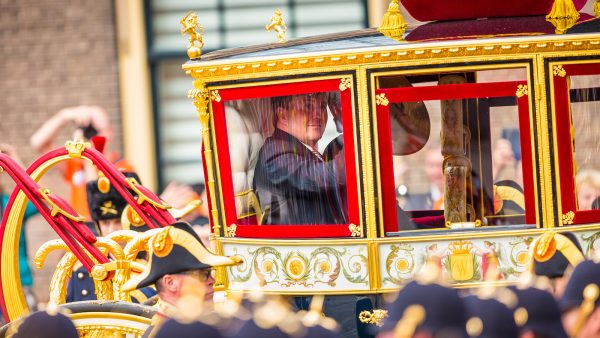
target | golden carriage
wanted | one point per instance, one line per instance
(467, 90)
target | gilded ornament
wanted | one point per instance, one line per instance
(558, 70)
(345, 83)
(55, 209)
(355, 230)
(375, 318)
(195, 31)
(597, 8)
(393, 25)
(461, 261)
(278, 25)
(522, 90)
(568, 217)
(162, 243)
(214, 96)
(76, 148)
(563, 15)
(231, 230)
(381, 100)
(521, 316)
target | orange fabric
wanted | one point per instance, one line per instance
(75, 177)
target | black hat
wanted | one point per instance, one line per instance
(539, 312)
(553, 253)
(441, 308)
(103, 199)
(176, 249)
(582, 286)
(489, 318)
(43, 324)
(173, 328)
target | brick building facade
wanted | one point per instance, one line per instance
(55, 54)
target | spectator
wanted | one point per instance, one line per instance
(24, 267)
(588, 188)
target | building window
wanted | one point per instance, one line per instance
(227, 23)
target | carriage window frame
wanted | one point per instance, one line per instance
(354, 227)
(560, 95)
(449, 92)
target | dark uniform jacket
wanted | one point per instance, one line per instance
(294, 184)
(81, 288)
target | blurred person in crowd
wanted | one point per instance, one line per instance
(87, 121)
(433, 198)
(43, 324)
(179, 266)
(580, 301)
(537, 312)
(588, 188)
(553, 255)
(25, 273)
(505, 166)
(493, 318)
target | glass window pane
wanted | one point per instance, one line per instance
(286, 155)
(585, 104)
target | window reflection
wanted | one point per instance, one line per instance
(469, 167)
(287, 159)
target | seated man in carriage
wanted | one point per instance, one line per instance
(291, 176)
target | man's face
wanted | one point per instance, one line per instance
(306, 118)
(108, 226)
(199, 280)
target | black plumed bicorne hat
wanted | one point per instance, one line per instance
(176, 249)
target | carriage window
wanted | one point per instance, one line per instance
(287, 159)
(456, 161)
(576, 99)
(585, 105)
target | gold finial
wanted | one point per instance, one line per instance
(392, 24)
(195, 31)
(597, 8)
(278, 25)
(563, 15)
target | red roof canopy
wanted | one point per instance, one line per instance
(430, 10)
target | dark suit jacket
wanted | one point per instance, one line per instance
(297, 186)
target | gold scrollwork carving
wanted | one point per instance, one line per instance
(75, 148)
(522, 90)
(381, 100)
(568, 217)
(345, 83)
(355, 230)
(558, 70)
(214, 96)
(231, 230)
(201, 97)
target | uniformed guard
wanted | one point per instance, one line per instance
(43, 324)
(106, 208)
(181, 329)
(273, 318)
(318, 325)
(552, 254)
(178, 265)
(537, 313)
(426, 308)
(580, 300)
(489, 317)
